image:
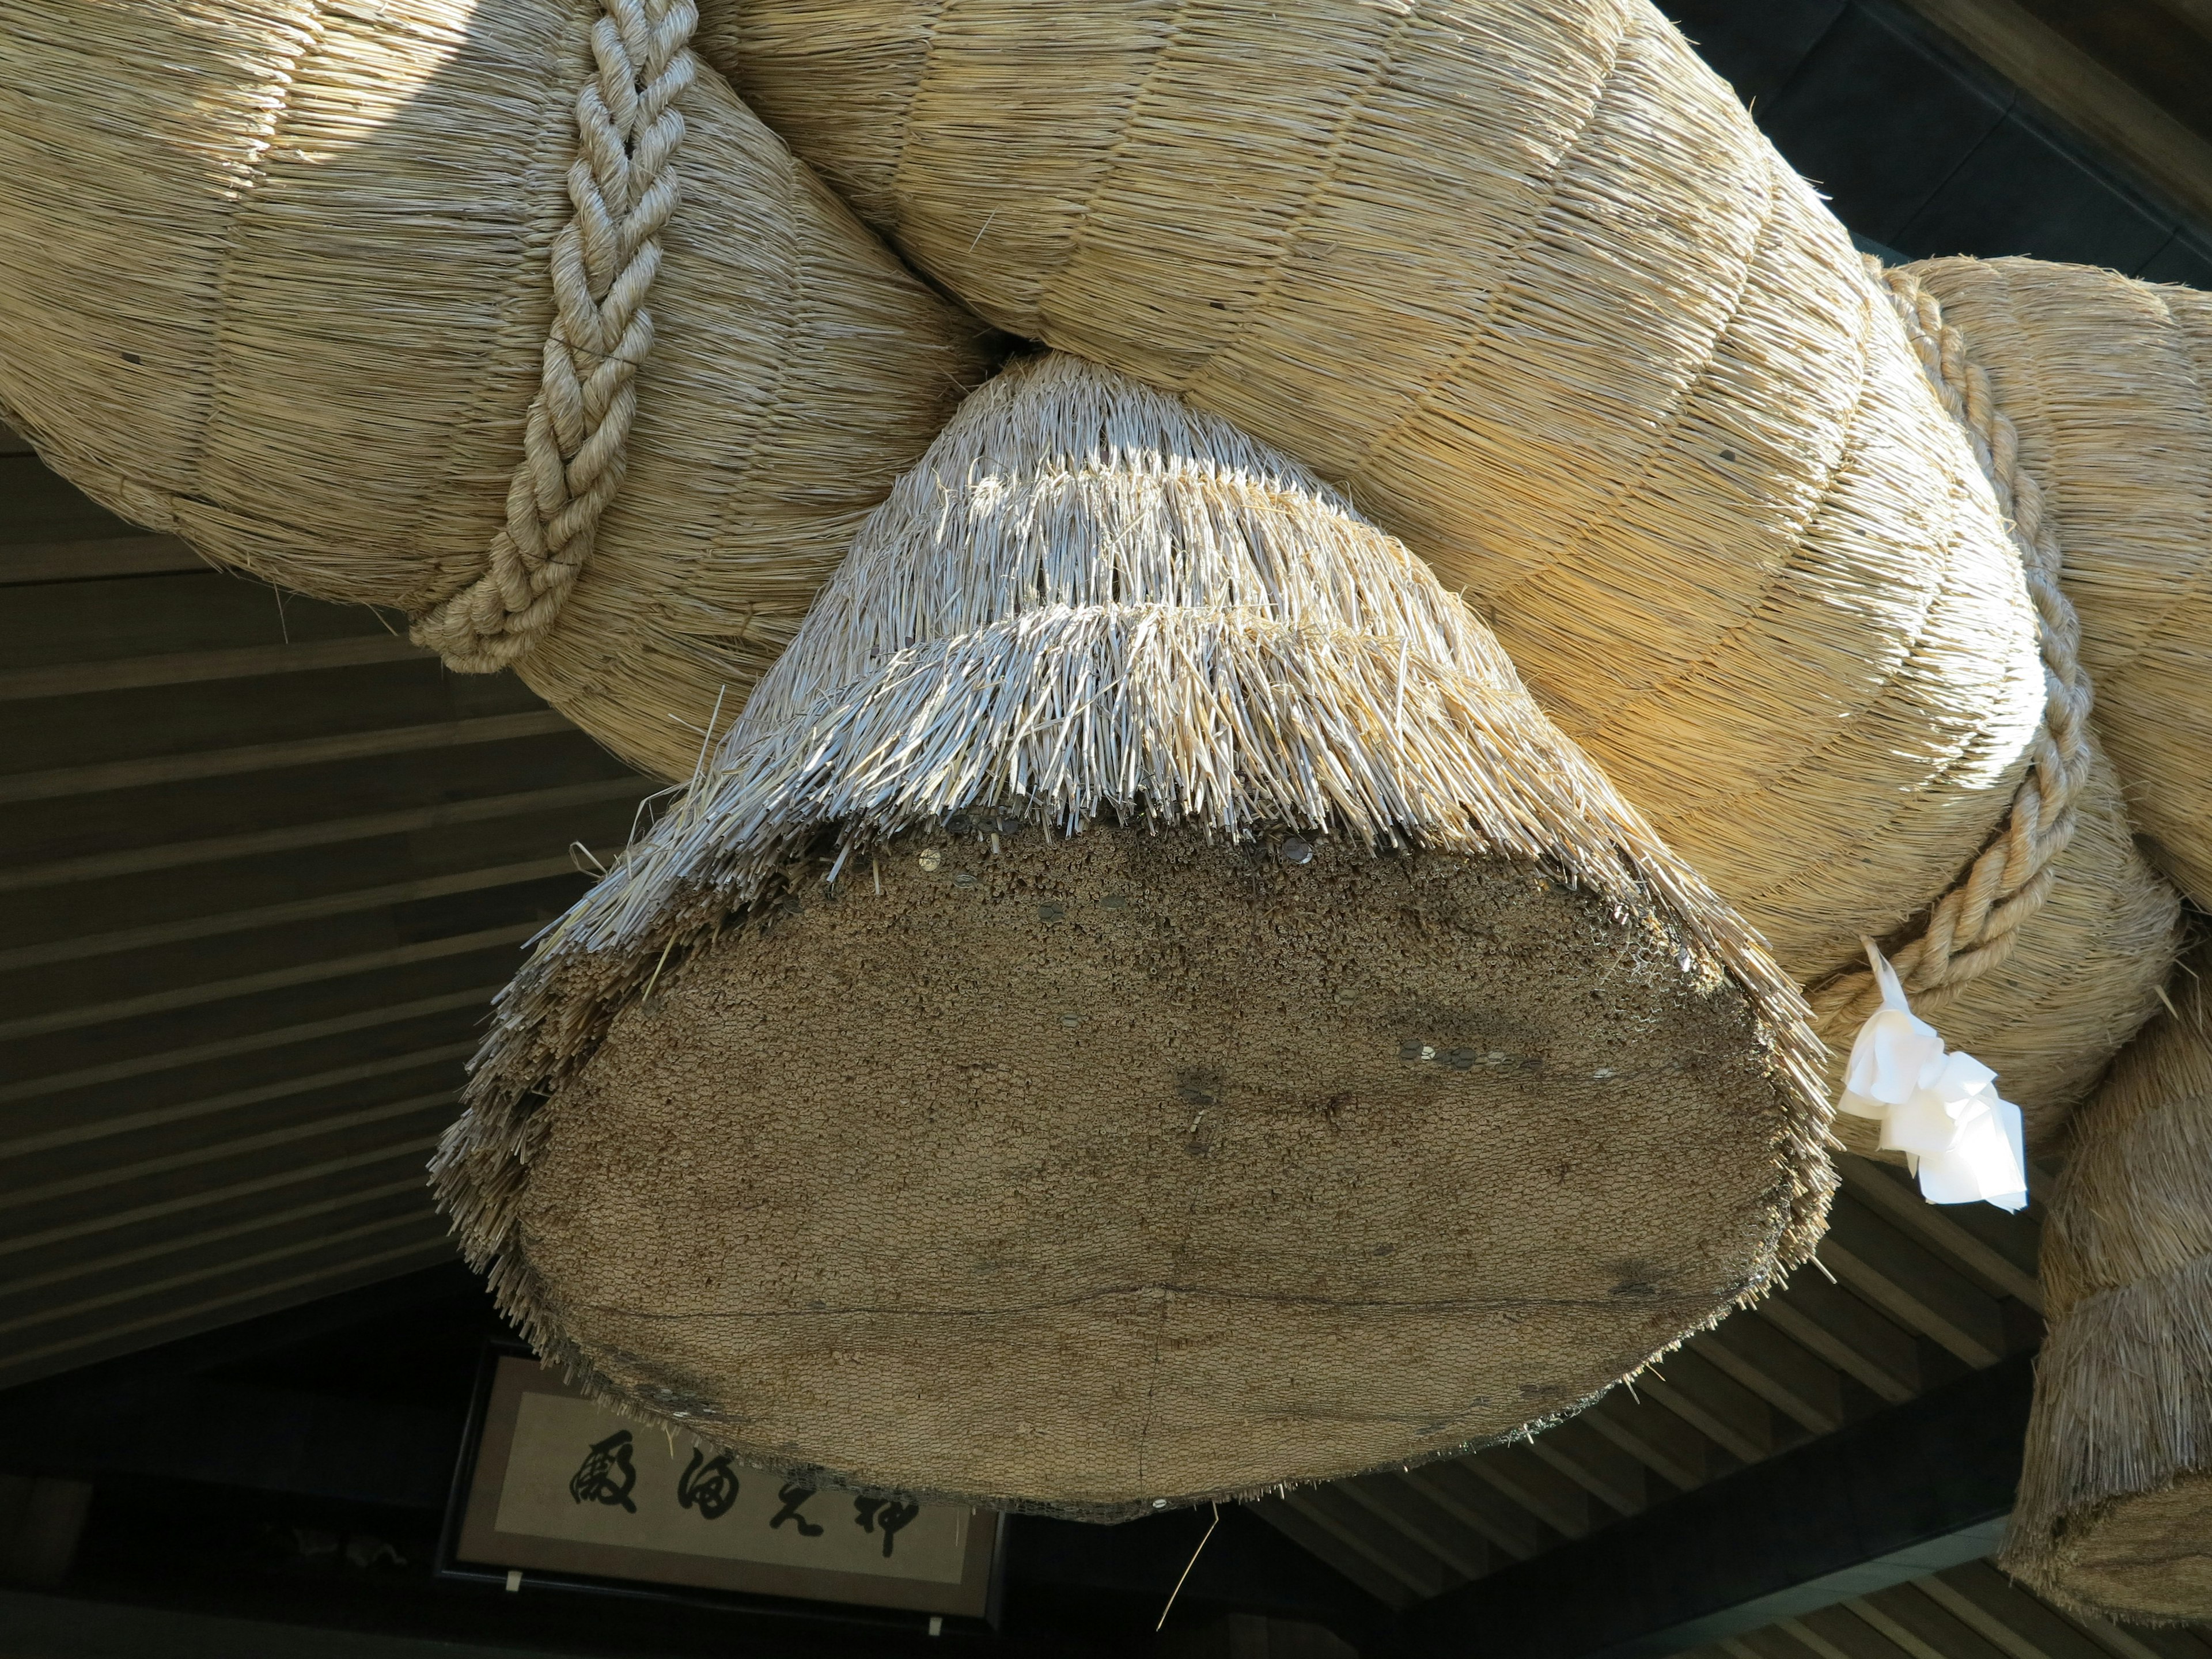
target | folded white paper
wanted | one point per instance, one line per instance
(1941, 1109)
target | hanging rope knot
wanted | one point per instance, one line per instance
(622, 188)
(1972, 928)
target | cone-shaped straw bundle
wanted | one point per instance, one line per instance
(2115, 1511)
(1142, 1006)
(506, 315)
(1525, 276)
(2108, 385)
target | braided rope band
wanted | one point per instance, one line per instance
(1972, 928)
(622, 186)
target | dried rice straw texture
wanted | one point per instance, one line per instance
(1524, 276)
(1143, 1006)
(279, 283)
(2109, 383)
(2115, 1509)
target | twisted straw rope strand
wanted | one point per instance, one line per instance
(1973, 928)
(622, 188)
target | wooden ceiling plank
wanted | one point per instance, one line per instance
(1938, 1632)
(2142, 1641)
(1498, 1520)
(1837, 1633)
(421, 1222)
(1605, 1471)
(210, 1105)
(393, 1013)
(188, 996)
(1552, 1497)
(274, 916)
(1357, 1530)
(1325, 1547)
(415, 1182)
(1408, 1511)
(153, 769)
(1829, 1320)
(1716, 1405)
(22, 1364)
(1979, 1596)
(171, 855)
(94, 559)
(1913, 1285)
(190, 667)
(2105, 109)
(412, 1151)
(2004, 1272)
(1657, 1438)
(115, 1175)
(1778, 1641)
(1888, 1499)
(1766, 1362)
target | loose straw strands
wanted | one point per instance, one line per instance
(1090, 604)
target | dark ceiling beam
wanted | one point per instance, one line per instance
(433, 1290)
(276, 1036)
(264, 757)
(411, 1184)
(319, 908)
(24, 562)
(1896, 1495)
(278, 979)
(88, 1127)
(2095, 101)
(76, 679)
(411, 1152)
(169, 855)
(360, 1451)
(64, 1628)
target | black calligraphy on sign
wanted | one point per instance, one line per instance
(606, 1475)
(883, 1516)
(707, 1488)
(793, 1498)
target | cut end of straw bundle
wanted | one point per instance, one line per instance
(1143, 1006)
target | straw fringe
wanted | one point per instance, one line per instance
(1088, 604)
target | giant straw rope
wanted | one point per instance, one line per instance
(1794, 555)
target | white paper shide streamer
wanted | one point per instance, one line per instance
(1940, 1109)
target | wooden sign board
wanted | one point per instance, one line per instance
(562, 1485)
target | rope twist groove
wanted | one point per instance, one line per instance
(1972, 928)
(622, 188)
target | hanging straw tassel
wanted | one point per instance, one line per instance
(1141, 1008)
(2115, 1503)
